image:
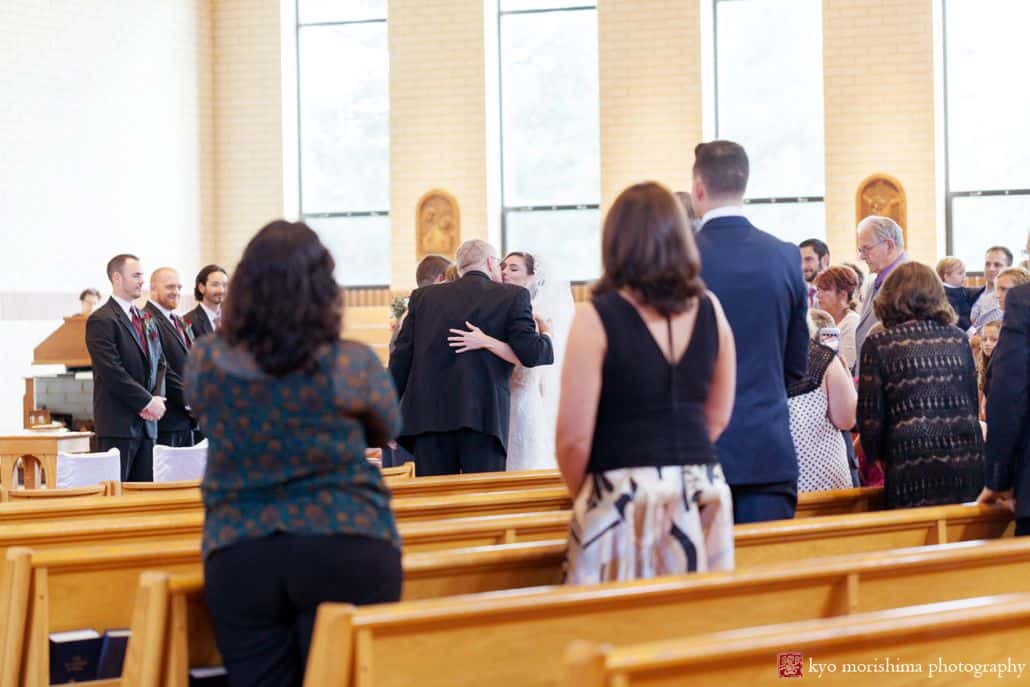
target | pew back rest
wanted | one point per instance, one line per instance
(516, 637)
(405, 471)
(101, 489)
(991, 629)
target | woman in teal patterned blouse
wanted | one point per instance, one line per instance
(294, 513)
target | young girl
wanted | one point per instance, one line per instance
(988, 340)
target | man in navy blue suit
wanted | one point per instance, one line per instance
(758, 279)
(1008, 412)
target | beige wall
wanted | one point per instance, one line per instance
(879, 110)
(437, 118)
(650, 81)
(247, 106)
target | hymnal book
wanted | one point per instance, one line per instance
(73, 656)
(209, 677)
(112, 654)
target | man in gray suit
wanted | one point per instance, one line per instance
(882, 246)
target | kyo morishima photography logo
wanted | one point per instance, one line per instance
(790, 664)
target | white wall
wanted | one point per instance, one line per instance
(104, 105)
(99, 127)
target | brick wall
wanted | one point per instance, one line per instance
(247, 123)
(437, 118)
(879, 109)
(650, 82)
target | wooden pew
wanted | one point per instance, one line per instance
(505, 490)
(69, 589)
(410, 509)
(102, 489)
(516, 638)
(979, 630)
(474, 482)
(400, 472)
(189, 486)
(839, 501)
(56, 601)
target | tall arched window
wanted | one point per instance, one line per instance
(769, 98)
(343, 120)
(550, 138)
(987, 139)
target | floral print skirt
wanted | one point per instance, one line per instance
(637, 523)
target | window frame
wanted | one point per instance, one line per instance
(304, 216)
(768, 200)
(506, 209)
(949, 193)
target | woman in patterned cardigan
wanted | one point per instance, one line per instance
(917, 396)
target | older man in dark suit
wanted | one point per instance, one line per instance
(176, 427)
(1008, 412)
(758, 279)
(128, 372)
(455, 407)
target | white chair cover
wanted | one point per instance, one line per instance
(178, 464)
(87, 469)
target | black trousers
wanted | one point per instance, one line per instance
(1023, 527)
(137, 457)
(463, 450)
(396, 456)
(763, 502)
(263, 595)
(856, 481)
(176, 439)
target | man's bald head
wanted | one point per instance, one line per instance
(165, 288)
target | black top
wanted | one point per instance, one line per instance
(1008, 405)
(961, 300)
(444, 391)
(651, 412)
(918, 413)
(820, 358)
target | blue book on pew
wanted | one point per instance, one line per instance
(74, 656)
(209, 677)
(112, 654)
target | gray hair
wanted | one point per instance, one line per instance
(884, 228)
(473, 253)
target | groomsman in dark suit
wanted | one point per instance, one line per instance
(1008, 412)
(176, 427)
(758, 279)
(209, 290)
(128, 372)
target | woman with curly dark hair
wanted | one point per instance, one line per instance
(917, 395)
(294, 513)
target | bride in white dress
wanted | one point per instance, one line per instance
(534, 390)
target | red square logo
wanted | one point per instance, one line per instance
(789, 664)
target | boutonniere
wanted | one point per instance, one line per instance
(149, 327)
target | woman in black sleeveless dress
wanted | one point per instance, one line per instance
(647, 387)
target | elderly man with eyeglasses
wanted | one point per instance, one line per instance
(881, 245)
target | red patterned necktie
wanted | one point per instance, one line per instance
(182, 330)
(137, 324)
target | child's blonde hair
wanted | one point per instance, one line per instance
(947, 265)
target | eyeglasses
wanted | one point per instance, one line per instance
(864, 250)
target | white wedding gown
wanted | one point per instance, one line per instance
(530, 440)
(535, 390)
